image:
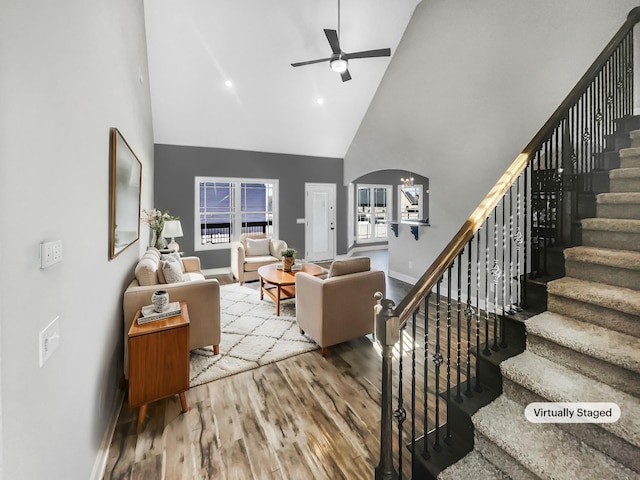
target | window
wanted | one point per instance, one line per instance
(410, 202)
(225, 208)
(372, 212)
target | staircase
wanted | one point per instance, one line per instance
(584, 348)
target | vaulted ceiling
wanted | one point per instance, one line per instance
(220, 71)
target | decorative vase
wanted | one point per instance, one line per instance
(157, 240)
(160, 300)
(287, 262)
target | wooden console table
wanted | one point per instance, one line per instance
(158, 361)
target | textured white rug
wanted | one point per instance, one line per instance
(252, 335)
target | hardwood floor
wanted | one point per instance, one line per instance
(306, 417)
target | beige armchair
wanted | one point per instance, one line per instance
(339, 308)
(252, 252)
(202, 297)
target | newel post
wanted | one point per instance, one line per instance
(387, 335)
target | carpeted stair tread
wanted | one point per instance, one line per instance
(602, 343)
(542, 448)
(611, 225)
(556, 383)
(620, 198)
(473, 465)
(631, 151)
(626, 259)
(618, 173)
(617, 298)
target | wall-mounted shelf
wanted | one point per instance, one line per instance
(413, 226)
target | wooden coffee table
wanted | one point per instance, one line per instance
(280, 285)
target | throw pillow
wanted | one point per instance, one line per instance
(172, 272)
(173, 257)
(258, 246)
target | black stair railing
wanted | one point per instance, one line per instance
(455, 314)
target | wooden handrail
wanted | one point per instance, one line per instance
(423, 286)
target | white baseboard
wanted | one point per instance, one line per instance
(402, 277)
(100, 464)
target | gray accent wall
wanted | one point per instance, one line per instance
(177, 166)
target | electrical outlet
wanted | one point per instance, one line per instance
(49, 340)
(50, 253)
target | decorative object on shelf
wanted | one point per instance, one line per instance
(172, 229)
(160, 299)
(156, 219)
(124, 194)
(288, 258)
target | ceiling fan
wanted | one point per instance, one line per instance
(339, 60)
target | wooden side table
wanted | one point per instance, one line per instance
(158, 361)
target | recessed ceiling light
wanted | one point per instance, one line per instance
(320, 101)
(228, 83)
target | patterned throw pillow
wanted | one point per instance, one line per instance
(172, 272)
(258, 246)
(173, 257)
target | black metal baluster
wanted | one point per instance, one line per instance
(425, 400)
(524, 302)
(477, 386)
(459, 333)
(448, 431)
(413, 385)
(503, 339)
(468, 313)
(518, 238)
(511, 309)
(437, 360)
(486, 350)
(495, 274)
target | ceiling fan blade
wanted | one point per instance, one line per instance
(332, 37)
(299, 64)
(345, 76)
(382, 52)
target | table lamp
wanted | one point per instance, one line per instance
(172, 229)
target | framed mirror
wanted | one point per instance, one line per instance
(125, 180)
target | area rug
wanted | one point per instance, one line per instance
(252, 336)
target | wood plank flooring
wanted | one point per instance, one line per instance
(306, 417)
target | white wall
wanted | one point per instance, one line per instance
(469, 86)
(70, 70)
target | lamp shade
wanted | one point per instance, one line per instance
(339, 65)
(172, 229)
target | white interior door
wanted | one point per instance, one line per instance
(320, 220)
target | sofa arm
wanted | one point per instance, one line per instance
(277, 246)
(191, 264)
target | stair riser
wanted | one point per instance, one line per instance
(501, 459)
(618, 141)
(628, 211)
(614, 240)
(596, 314)
(605, 372)
(591, 434)
(635, 142)
(623, 185)
(620, 277)
(630, 162)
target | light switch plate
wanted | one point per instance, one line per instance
(50, 253)
(49, 339)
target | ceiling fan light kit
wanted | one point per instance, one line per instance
(339, 65)
(339, 60)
